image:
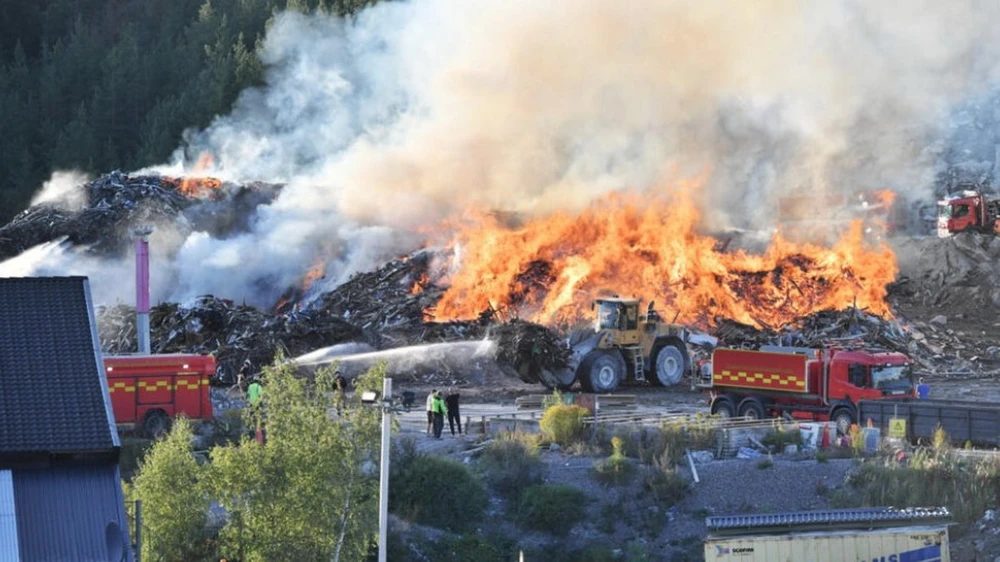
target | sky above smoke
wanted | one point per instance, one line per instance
(415, 111)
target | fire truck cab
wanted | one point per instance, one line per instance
(149, 391)
(973, 211)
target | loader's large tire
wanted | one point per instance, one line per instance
(601, 371)
(670, 362)
(560, 379)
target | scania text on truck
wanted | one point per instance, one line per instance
(803, 383)
(149, 391)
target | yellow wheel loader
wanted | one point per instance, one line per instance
(624, 346)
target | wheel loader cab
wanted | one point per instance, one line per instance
(620, 316)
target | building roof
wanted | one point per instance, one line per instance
(53, 394)
(71, 513)
(857, 518)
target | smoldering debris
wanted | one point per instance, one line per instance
(116, 204)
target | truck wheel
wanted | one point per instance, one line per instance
(843, 418)
(752, 409)
(601, 371)
(723, 407)
(155, 424)
(669, 363)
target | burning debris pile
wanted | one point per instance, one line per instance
(101, 214)
(545, 271)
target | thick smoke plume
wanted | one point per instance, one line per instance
(415, 111)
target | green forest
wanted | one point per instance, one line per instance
(100, 85)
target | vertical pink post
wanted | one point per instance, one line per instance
(142, 291)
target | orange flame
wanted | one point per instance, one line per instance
(317, 271)
(550, 269)
(886, 197)
(198, 187)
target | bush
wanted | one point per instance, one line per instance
(510, 463)
(551, 509)
(563, 424)
(930, 479)
(672, 438)
(663, 482)
(439, 492)
(778, 438)
(764, 464)
(615, 470)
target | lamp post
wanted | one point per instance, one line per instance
(383, 487)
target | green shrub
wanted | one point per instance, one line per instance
(481, 549)
(615, 470)
(551, 509)
(437, 491)
(510, 463)
(778, 438)
(563, 424)
(665, 484)
(822, 457)
(764, 464)
(967, 489)
(673, 438)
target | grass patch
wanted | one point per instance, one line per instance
(563, 424)
(436, 491)
(663, 482)
(551, 509)
(930, 478)
(510, 463)
(615, 470)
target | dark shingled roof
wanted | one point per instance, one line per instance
(52, 395)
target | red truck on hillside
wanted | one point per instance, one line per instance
(803, 383)
(972, 211)
(149, 391)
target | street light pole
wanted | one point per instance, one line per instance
(383, 489)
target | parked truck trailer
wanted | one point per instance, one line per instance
(878, 534)
(975, 422)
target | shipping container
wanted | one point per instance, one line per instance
(866, 534)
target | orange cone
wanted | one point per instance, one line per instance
(825, 442)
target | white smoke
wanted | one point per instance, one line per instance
(417, 110)
(62, 190)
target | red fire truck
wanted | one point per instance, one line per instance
(804, 383)
(972, 211)
(148, 391)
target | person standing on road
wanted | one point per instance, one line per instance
(255, 397)
(923, 390)
(430, 410)
(451, 403)
(439, 410)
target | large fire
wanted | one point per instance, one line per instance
(549, 269)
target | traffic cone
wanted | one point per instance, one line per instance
(825, 442)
